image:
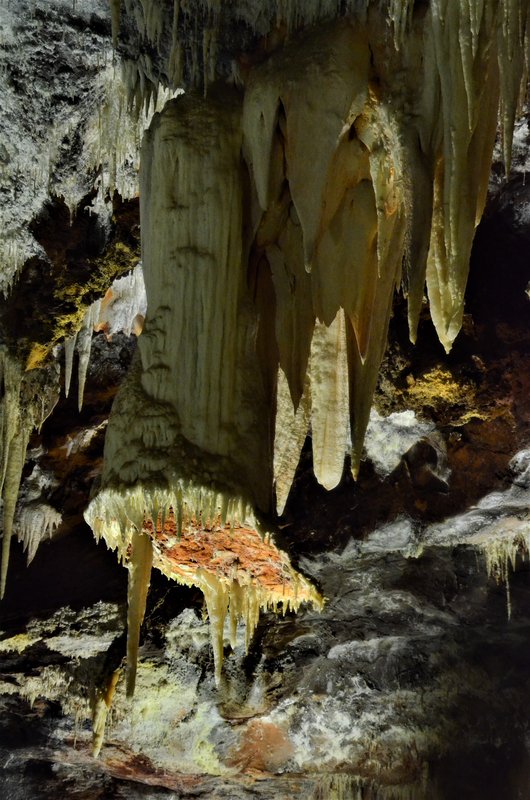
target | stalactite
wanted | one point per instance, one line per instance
(198, 65)
(69, 350)
(502, 548)
(139, 564)
(102, 706)
(10, 381)
(352, 227)
(329, 401)
(292, 427)
(399, 15)
(14, 441)
(200, 538)
(27, 399)
(216, 595)
(115, 9)
(14, 465)
(513, 46)
(35, 523)
(340, 786)
(464, 61)
(84, 346)
(122, 309)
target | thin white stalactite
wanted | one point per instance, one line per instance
(139, 565)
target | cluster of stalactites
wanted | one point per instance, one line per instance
(116, 514)
(331, 237)
(188, 37)
(24, 405)
(36, 522)
(502, 548)
(121, 310)
(132, 521)
(397, 173)
(110, 139)
(358, 167)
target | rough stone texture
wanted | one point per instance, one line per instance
(52, 56)
(412, 682)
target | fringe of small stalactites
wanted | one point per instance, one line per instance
(134, 522)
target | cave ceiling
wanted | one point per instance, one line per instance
(265, 399)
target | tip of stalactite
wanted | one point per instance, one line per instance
(447, 344)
